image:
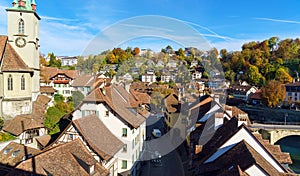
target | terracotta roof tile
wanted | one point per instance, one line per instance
(119, 101)
(44, 100)
(3, 41)
(98, 136)
(7, 157)
(82, 80)
(49, 72)
(275, 150)
(143, 98)
(21, 123)
(43, 140)
(257, 95)
(67, 159)
(47, 89)
(172, 103)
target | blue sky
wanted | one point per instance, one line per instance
(67, 27)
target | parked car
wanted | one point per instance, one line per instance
(156, 133)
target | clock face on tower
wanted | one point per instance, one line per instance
(20, 42)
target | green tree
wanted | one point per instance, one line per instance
(77, 97)
(273, 93)
(58, 98)
(53, 61)
(253, 75)
(53, 116)
(283, 76)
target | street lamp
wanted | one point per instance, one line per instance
(286, 114)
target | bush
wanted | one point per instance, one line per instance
(53, 116)
(6, 137)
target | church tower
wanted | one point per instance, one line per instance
(23, 36)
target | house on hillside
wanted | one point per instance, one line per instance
(68, 60)
(292, 92)
(242, 92)
(86, 83)
(60, 80)
(149, 77)
(118, 110)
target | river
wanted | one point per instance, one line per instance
(291, 145)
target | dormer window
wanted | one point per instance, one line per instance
(21, 26)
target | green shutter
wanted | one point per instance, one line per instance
(83, 113)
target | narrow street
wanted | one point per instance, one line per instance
(171, 163)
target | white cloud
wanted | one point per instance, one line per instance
(278, 20)
(56, 19)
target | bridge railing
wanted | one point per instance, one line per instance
(275, 123)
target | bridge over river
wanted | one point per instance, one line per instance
(276, 131)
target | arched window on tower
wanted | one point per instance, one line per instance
(22, 82)
(10, 82)
(21, 26)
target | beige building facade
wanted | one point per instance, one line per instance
(19, 60)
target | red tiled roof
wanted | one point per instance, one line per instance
(98, 136)
(119, 101)
(143, 97)
(8, 159)
(71, 158)
(82, 80)
(47, 89)
(49, 72)
(44, 100)
(257, 95)
(172, 103)
(21, 123)
(61, 81)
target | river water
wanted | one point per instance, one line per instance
(291, 145)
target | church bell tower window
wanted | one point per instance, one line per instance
(21, 26)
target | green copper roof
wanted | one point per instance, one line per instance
(26, 7)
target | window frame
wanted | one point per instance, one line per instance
(23, 83)
(10, 86)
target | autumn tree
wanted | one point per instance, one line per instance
(283, 76)
(273, 93)
(43, 61)
(136, 51)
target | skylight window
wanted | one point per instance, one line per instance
(15, 153)
(6, 151)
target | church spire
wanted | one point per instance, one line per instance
(14, 3)
(24, 5)
(33, 5)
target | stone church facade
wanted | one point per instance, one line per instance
(19, 60)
